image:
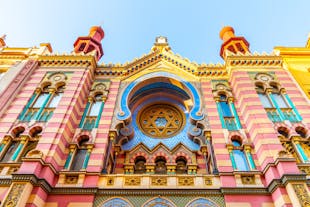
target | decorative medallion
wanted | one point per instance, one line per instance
(71, 179)
(159, 181)
(161, 120)
(248, 179)
(186, 181)
(132, 181)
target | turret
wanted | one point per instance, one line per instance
(232, 43)
(90, 43)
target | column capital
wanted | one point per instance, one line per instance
(269, 90)
(283, 91)
(230, 99)
(217, 99)
(90, 99)
(230, 147)
(52, 90)
(24, 139)
(247, 147)
(112, 135)
(38, 90)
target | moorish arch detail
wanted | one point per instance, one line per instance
(159, 112)
(159, 202)
(117, 202)
(201, 202)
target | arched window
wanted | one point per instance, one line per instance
(140, 165)
(227, 111)
(276, 102)
(297, 146)
(283, 131)
(18, 146)
(10, 151)
(42, 104)
(263, 96)
(160, 165)
(79, 156)
(181, 167)
(92, 113)
(30, 146)
(225, 106)
(95, 107)
(301, 131)
(240, 155)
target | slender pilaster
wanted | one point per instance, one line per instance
(85, 112)
(112, 136)
(234, 111)
(50, 94)
(300, 151)
(85, 163)
(249, 157)
(219, 109)
(299, 118)
(20, 147)
(70, 155)
(275, 104)
(30, 102)
(231, 155)
(100, 112)
(211, 150)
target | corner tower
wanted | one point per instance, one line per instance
(90, 43)
(232, 43)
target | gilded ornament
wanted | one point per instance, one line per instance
(14, 195)
(71, 179)
(159, 181)
(186, 181)
(248, 179)
(302, 194)
(132, 181)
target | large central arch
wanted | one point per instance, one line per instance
(195, 113)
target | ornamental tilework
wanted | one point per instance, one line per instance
(140, 198)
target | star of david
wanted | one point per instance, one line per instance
(161, 120)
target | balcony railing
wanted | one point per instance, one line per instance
(273, 114)
(46, 114)
(288, 114)
(230, 123)
(32, 113)
(89, 123)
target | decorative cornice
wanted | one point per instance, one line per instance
(254, 61)
(284, 180)
(34, 180)
(292, 51)
(67, 60)
(162, 192)
(245, 191)
(74, 191)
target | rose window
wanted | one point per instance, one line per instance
(161, 120)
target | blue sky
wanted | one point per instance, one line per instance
(130, 26)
